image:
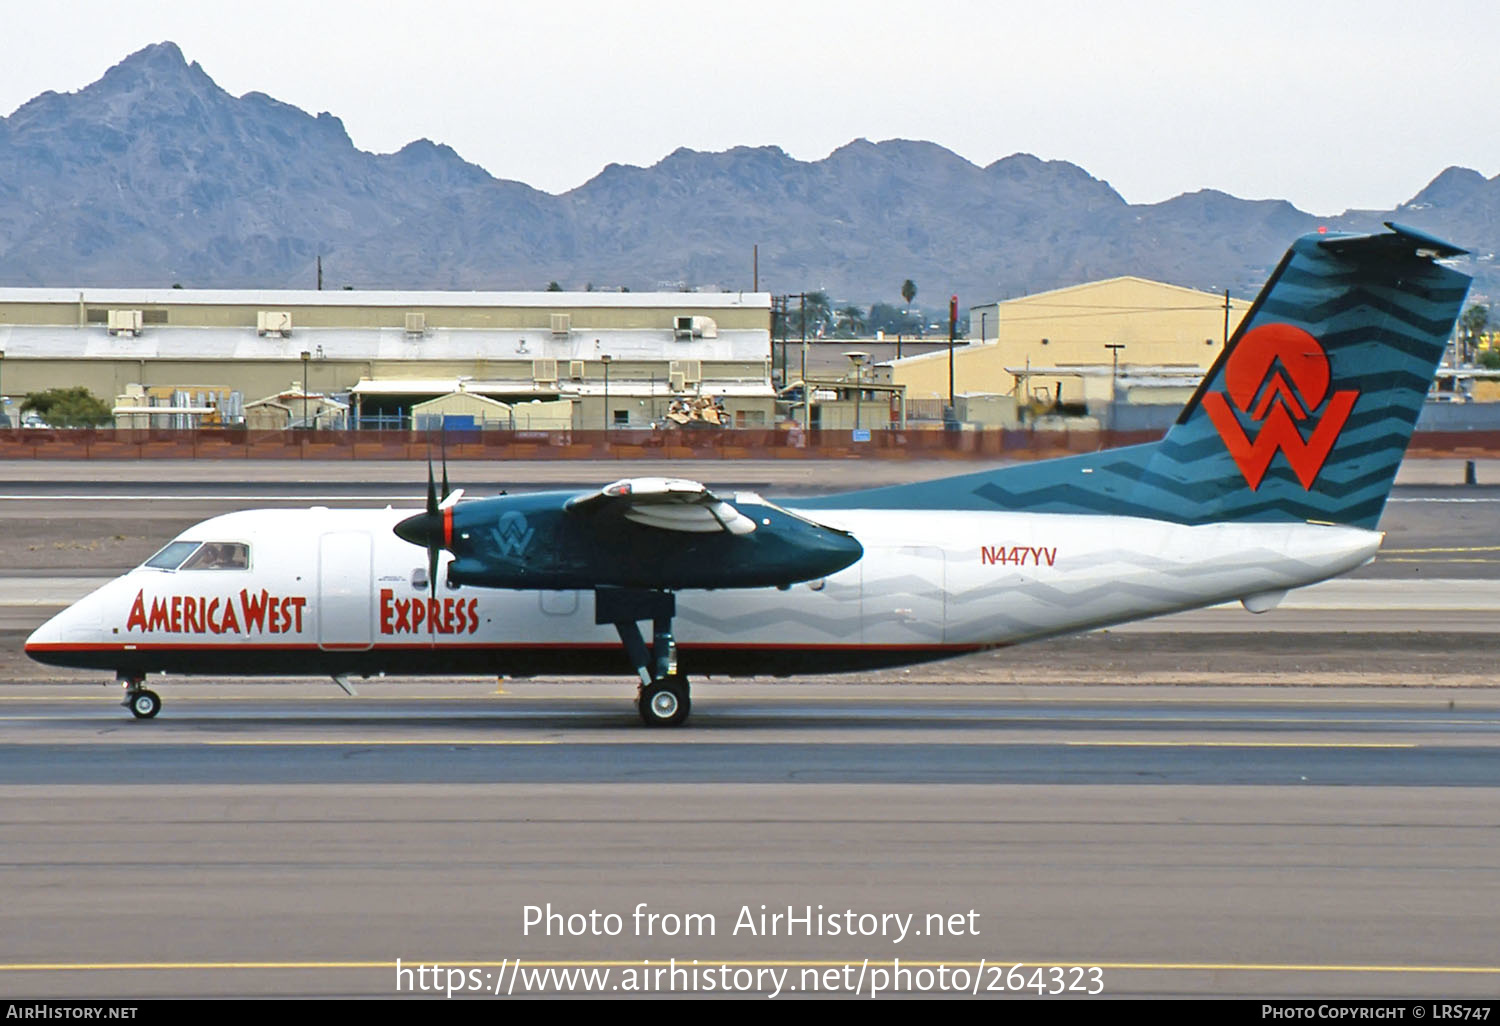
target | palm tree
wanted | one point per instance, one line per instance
(851, 322)
(819, 314)
(1470, 326)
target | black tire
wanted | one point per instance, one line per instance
(144, 704)
(665, 702)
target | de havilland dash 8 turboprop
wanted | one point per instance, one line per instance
(1273, 477)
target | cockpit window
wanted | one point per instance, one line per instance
(171, 557)
(220, 556)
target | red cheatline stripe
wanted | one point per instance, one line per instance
(490, 646)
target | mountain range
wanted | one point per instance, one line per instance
(154, 175)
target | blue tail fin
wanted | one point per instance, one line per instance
(1305, 416)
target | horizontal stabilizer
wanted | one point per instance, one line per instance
(1402, 241)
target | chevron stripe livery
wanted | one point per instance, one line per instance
(1305, 417)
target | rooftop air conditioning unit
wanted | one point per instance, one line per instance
(544, 371)
(575, 370)
(691, 371)
(273, 322)
(678, 383)
(122, 322)
(416, 324)
(562, 323)
(685, 326)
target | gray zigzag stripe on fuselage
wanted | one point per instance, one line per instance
(741, 623)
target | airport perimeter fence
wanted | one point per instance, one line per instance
(621, 444)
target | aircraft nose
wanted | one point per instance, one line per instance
(46, 635)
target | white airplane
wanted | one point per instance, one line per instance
(1273, 477)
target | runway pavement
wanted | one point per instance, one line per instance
(1301, 803)
(1187, 841)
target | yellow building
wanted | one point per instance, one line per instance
(1071, 335)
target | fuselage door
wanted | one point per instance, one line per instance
(346, 591)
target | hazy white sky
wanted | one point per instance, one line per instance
(1328, 104)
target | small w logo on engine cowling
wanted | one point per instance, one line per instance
(1278, 375)
(512, 535)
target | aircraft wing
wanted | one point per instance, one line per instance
(668, 504)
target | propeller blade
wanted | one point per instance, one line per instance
(446, 490)
(432, 516)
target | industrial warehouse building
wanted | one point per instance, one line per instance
(513, 359)
(1143, 342)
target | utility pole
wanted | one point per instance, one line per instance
(1114, 375)
(806, 392)
(1226, 317)
(606, 359)
(952, 335)
(305, 357)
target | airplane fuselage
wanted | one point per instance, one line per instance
(332, 592)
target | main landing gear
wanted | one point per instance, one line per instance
(664, 699)
(142, 702)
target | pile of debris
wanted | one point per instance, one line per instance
(700, 412)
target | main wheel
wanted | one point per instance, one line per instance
(665, 702)
(144, 704)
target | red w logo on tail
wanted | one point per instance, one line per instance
(1278, 374)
